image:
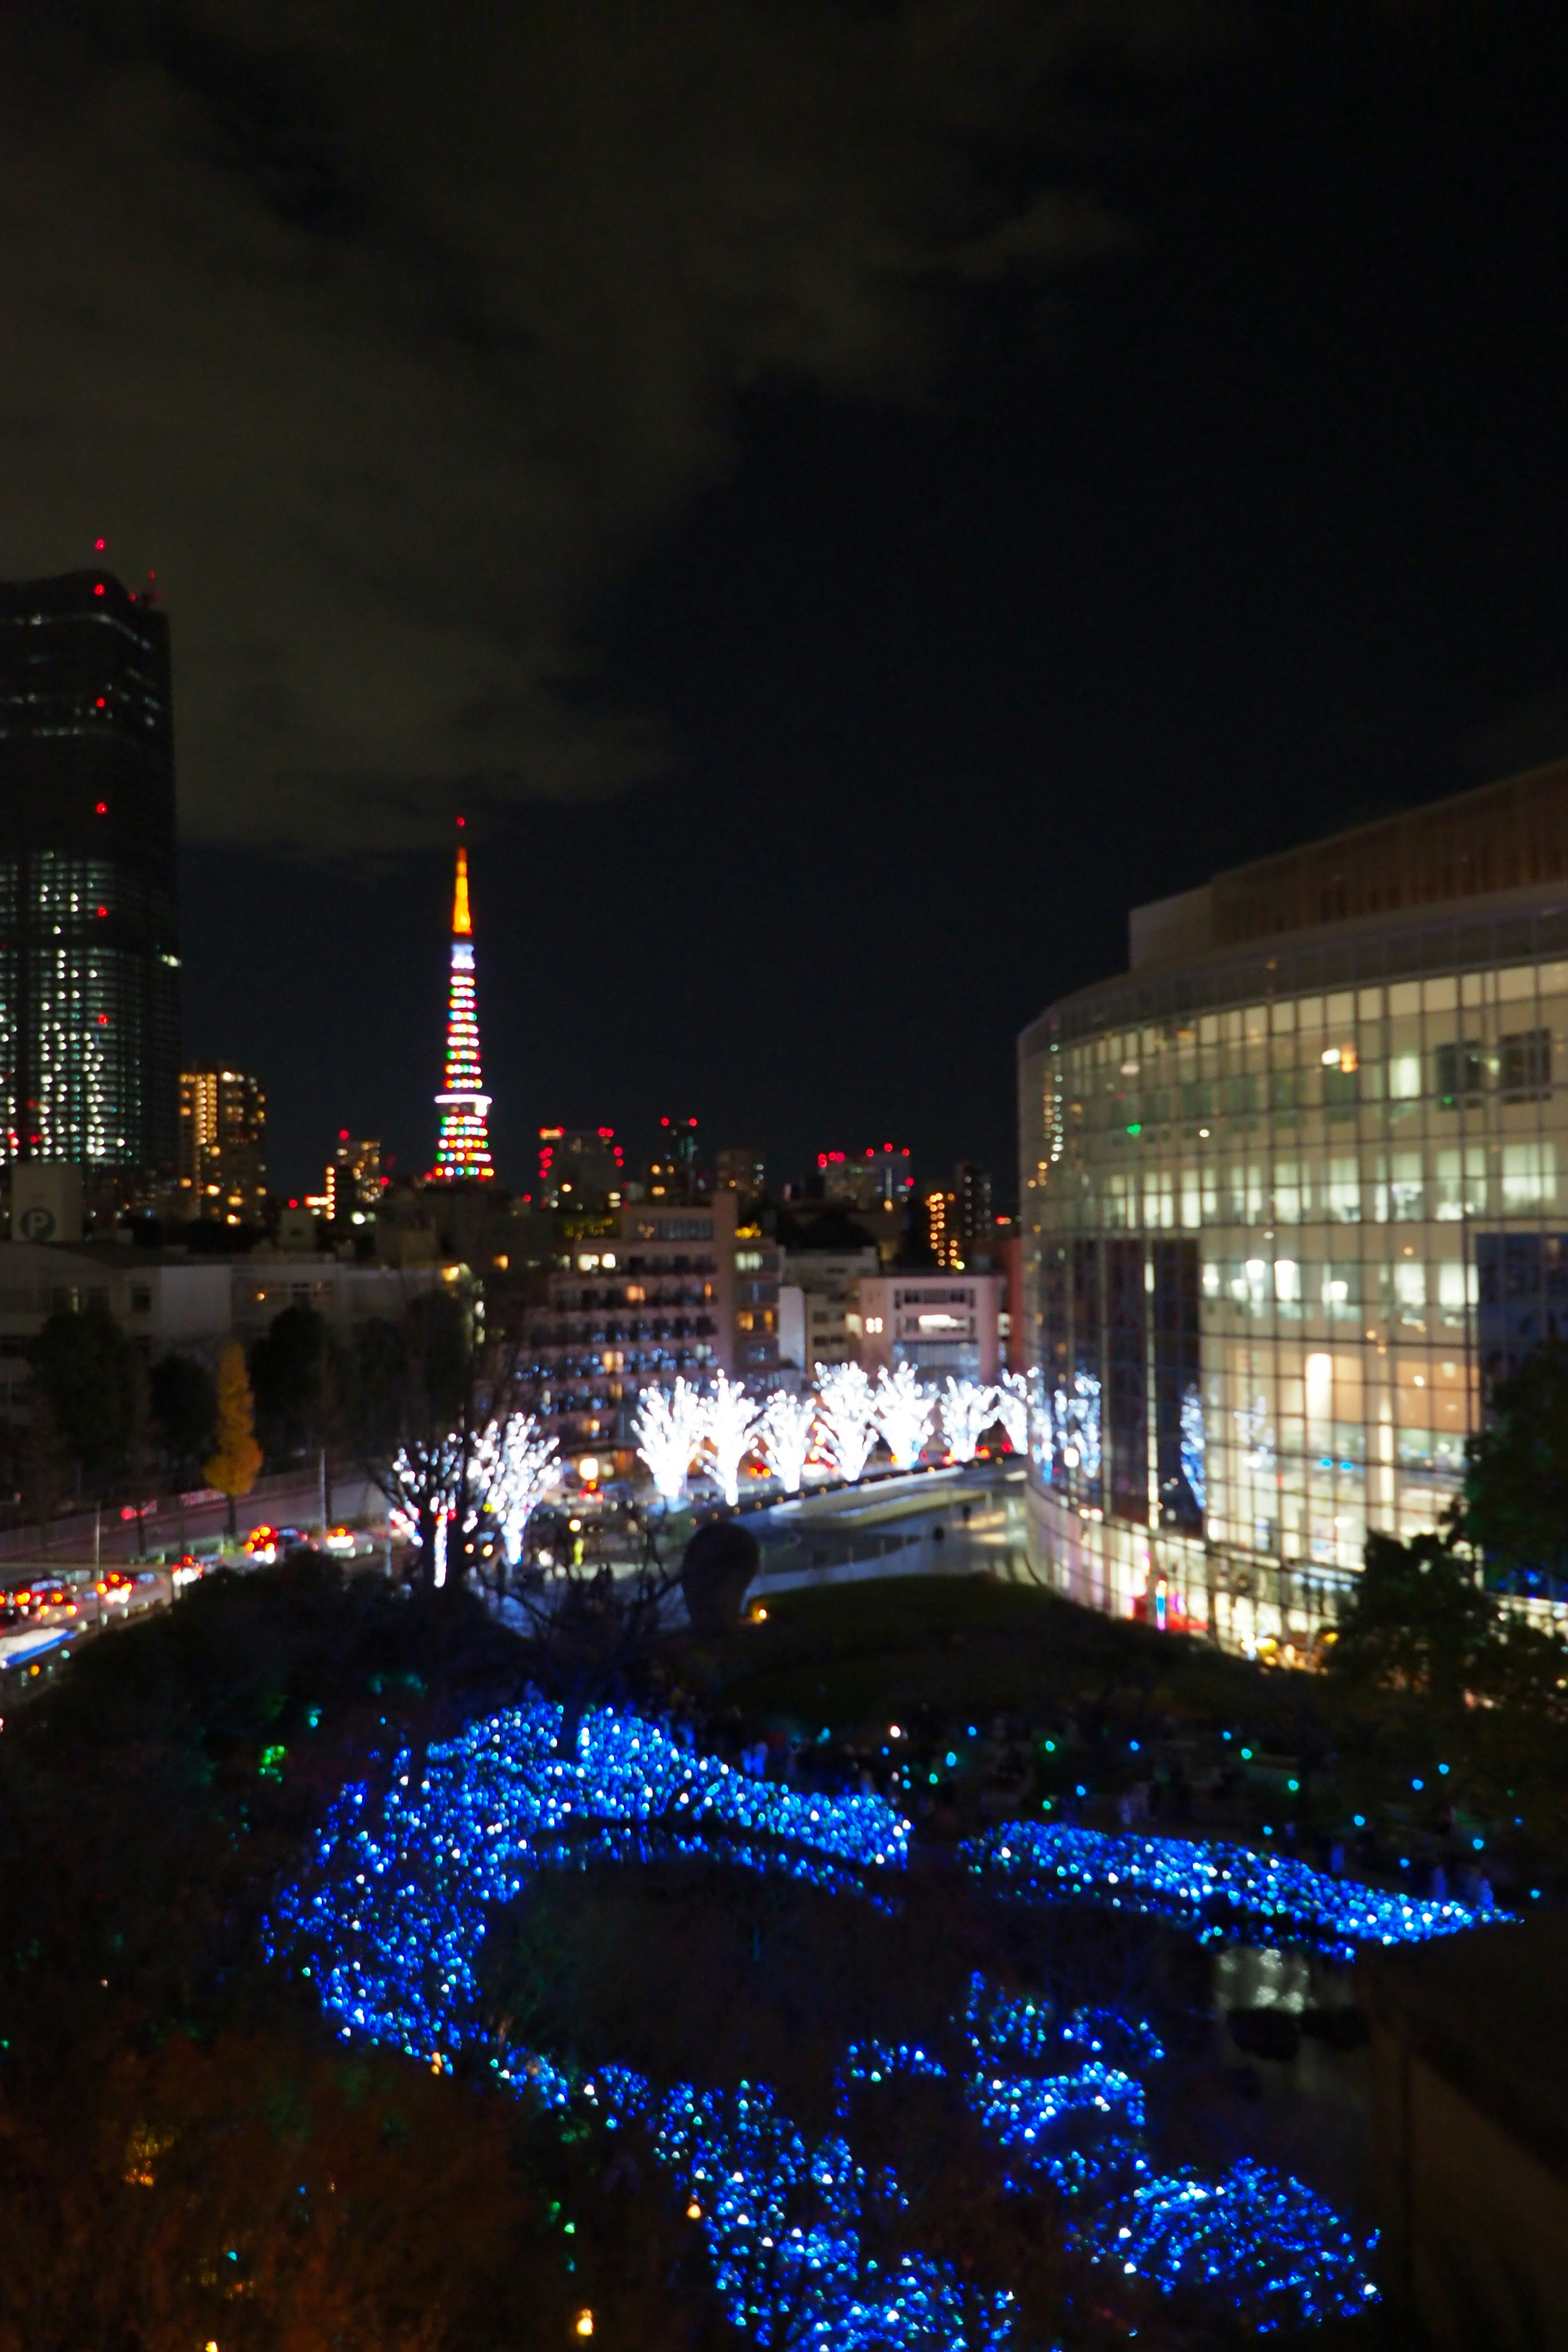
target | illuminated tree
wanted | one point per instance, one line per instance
(967, 1413)
(669, 1428)
(783, 1436)
(423, 1483)
(846, 1411)
(1012, 1408)
(904, 1412)
(516, 1467)
(728, 1421)
(236, 1457)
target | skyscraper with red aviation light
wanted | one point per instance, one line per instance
(463, 1149)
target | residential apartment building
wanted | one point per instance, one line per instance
(683, 1288)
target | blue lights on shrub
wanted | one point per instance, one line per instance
(1180, 2230)
(389, 1920)
(1217, 1889)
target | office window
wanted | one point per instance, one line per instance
(1458, 1070)
(1524, 1065)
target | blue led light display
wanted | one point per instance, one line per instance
(1181, 2231)
(389, 1921)
(1217, 1889)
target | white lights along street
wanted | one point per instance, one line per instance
(388, 1922)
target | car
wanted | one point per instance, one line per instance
(340, 1542)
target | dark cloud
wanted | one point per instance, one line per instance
(389, 333)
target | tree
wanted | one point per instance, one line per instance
(904, 1414)
(1515, 1506)
(287, 1377)
(84, 1364)
(183, 1397)
(784, 1435)
(42, 1463)
(968, 1410)
(232, 1467)
(668, 1431)
(426, 1405)
(1013, 1407)
(846, 1412)
(729, 1423)
(1419, 1620)
(519, 1469)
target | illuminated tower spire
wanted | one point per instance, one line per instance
(463, 1149)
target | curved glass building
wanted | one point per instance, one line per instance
(1295, 1193)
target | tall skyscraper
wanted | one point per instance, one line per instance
(464, 1149)
(89, 966)
(223, 1146)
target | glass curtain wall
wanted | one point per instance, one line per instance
(1276, 1247)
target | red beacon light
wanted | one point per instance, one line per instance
(98, 546)
(100, 808)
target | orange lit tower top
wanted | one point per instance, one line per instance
(464, 1149)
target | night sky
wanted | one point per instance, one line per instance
(848, 499)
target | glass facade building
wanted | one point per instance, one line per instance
(90, 1002)
(1295, 1193)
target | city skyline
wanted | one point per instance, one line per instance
(1140, 512)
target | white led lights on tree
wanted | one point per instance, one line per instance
(421, 1485)
(669, 1428)
(1011, 1407)
(847, 1409)
(728, 1421)
(516, 1468)
(968, 1410)
(783, 1436)
(904, 1411)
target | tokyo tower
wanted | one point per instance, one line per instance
(464, 1149)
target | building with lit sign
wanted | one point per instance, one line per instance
(1295, 1191)
(89, 966)
(223, 1146)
